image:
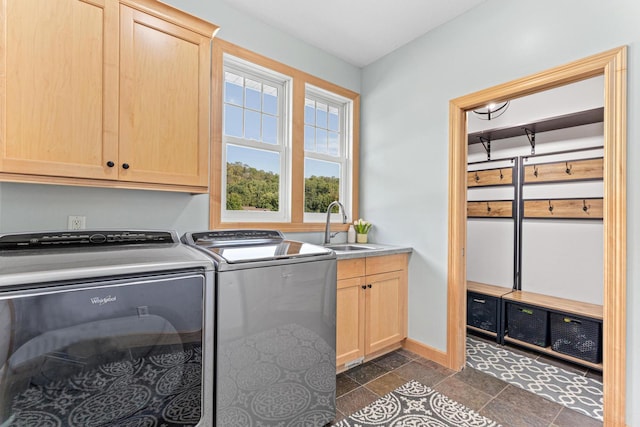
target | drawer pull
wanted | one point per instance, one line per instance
(480, 301)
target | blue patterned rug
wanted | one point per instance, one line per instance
(574, 391)
(415, 404)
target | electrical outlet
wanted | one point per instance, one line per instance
(76, 222)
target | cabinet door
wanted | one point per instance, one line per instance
(58, 94)
(164, 101)
(386, 310)
(349, 320)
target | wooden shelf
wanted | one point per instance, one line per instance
(490, 209)
(564, 208)
(485, 289)
(482, 331)
(570, 170)
(550, 352)
(577, 308)
(490, 177)
(586, 117)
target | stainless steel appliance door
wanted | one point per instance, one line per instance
(276, 333)
(118, 352)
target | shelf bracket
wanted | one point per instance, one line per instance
(486, 143)
(532, 139)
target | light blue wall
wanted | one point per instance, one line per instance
(243, 30)
(46, 207)
(27, 207)
(404, 152)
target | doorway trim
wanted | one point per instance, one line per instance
(612, 65)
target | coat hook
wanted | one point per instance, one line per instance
(568, 168)
(488, 207)
(550, 207)
(535, 170)
(585, 208)
(477, 178)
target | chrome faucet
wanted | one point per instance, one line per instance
(327, 232)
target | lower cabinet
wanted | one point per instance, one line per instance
(371, 312)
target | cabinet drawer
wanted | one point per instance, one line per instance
(348, 268)
(382, 264)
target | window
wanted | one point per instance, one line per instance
(326, 152)
(255, 143)
(284, 145)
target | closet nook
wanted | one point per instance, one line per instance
(535, 237)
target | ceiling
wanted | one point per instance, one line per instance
(358, 31)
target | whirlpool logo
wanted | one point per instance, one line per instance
(102, 300)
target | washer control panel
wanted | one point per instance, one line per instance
(84, 238)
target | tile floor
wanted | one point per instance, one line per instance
(495, 399)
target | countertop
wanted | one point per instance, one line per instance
(373, 249)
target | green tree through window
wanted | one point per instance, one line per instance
(319, 192)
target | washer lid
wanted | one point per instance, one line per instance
(45, 257)
(233, 254)
(241, 246)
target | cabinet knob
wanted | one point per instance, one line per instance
(125, 166)
(369, 286)
(110, 164)
(364, 287)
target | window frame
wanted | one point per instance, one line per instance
(345, 157)
(300, 80)
(283, 83)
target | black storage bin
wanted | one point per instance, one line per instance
(482, 311)
(528, 323)
(576, 336)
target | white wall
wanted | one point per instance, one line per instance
(45, 207)
(404, 153)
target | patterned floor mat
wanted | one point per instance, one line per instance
(566, 388)
(415, 404)
(159, 390)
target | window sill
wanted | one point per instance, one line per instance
(282, 226)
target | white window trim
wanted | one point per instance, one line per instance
(345, 106)
(259, 73)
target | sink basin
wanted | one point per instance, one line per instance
(349, 247)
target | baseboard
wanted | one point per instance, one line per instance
(426, 351)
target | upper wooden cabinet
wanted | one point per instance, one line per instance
(115, 93)
(164, 101)
(59, 87)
